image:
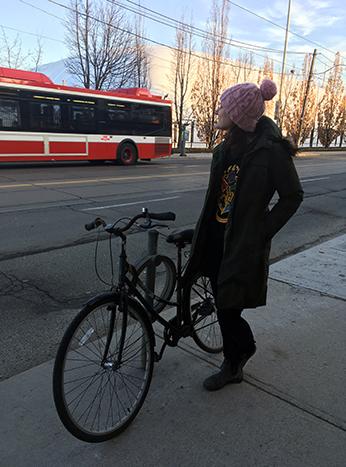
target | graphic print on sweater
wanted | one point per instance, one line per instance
(226, 196)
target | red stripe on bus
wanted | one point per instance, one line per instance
(21, 147)
(72, 151)
(62, 147)
(103, 150)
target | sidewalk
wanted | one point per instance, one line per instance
(301, 154)
(193, 155)
(289, 411)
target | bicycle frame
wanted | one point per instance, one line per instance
(125, 287)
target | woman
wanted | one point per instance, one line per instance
(232, 238)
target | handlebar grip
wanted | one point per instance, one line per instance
(94, 224)
(90, 226)
(162, 216)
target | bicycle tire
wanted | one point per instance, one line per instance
(63, 373)
(198, 299)
(170, 279)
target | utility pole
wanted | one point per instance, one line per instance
(306, 94)
(278, 103)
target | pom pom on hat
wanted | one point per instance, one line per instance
(268, 89)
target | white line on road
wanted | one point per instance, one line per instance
(314, 179)
(312, 165)
(130, 204)
(98, 180)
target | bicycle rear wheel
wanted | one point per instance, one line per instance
(96, 399)
(199, 299)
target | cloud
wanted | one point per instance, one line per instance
(306, 16)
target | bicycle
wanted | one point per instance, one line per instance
(104, 363)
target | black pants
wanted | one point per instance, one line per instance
(236, 333)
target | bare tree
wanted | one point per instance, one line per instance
(181, 73)
(141, 72)
(330, 112)
(211, 74)
(247, 64)
(103, 53)
(288, 86)
(37, 55)
(14, 55)
(291, 115)
(342, 125)
(242, 70)
(268, 73)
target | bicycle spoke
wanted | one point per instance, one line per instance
(98, 355)
(84, 392)
(77, 367)
(86, 358)
(207, 333)
(126, 387)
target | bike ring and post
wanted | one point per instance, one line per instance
(105, 360)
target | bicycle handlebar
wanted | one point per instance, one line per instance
(161, 216)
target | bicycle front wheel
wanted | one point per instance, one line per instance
(96, 397)
(199, 299)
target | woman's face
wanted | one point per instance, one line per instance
(223, 122)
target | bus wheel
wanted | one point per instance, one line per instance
(127, 154)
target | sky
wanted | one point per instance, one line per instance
(321, 21)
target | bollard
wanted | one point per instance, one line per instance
(184, 137)
(153, 236)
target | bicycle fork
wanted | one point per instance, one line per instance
(106, 361)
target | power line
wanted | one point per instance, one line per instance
(321, 61)
(325, 56)
(191, 27)
(40, 9)
(31, 34)
(331, 68)
(146, 38)
(279, 26)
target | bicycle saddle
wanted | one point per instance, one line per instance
(180, 237)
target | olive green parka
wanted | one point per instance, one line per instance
(267, 167)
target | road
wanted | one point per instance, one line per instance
(47, 259)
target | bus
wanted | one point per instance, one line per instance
(43, 121)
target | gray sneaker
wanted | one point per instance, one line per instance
(227, 375)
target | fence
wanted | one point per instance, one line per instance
(194, 143)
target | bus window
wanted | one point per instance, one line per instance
(83, 119)
(148, 119)
(9, 114)
(118, 118)
(44, 116)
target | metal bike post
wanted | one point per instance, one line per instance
(153, 236)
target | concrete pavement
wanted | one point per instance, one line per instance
(289, 411)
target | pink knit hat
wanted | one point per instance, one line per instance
(244, 103)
